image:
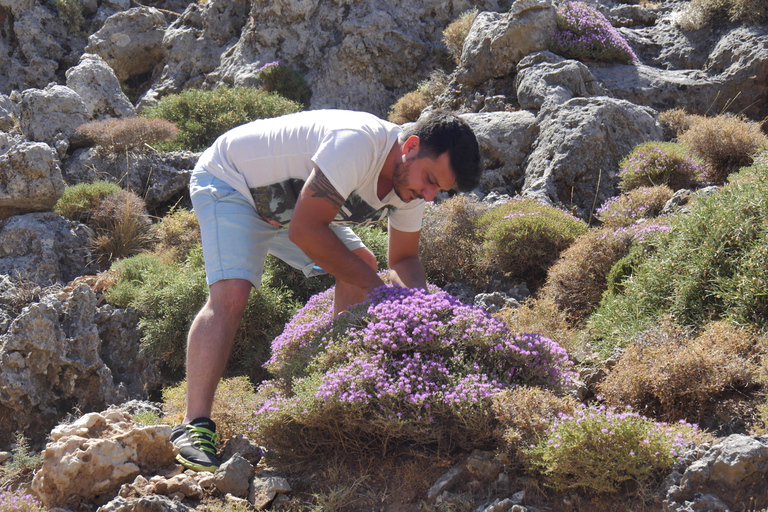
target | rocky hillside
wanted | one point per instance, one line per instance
(550, 128)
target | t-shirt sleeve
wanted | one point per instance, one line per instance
(345, 157)
(408, 217)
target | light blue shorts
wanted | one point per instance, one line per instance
(236, 240)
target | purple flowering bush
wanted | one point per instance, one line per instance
(660, 163)
(584, 33)
(18, 501)
(407, 366)
(599, 449)
(524, 237)
(632, 206)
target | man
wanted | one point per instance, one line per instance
(291, 186)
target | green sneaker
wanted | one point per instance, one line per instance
(197, 445)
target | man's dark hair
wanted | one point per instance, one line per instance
(440, 131)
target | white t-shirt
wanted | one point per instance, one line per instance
(269, 160)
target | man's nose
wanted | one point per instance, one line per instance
(429, 192)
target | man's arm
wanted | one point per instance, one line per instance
(403, 256)
(316, 207)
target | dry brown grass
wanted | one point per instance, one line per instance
(576, 282)
(524, 413)
(128, 133)
(122, 227)
(449, 240)
(725, 142)
(456, 32)
(672, 374)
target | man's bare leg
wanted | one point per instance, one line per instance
(347, 294)
(210, 343)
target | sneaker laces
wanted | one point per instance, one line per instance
(203, 439)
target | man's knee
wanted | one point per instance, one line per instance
(231, 294)
(368, 257)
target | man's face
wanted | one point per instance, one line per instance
(422, 177)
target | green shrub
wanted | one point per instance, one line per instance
(633, 206)
(725, 143)
(175, 235)
(449, 240)
(281, 79)
(670, 373)
(168, 297)
(456, 32)
(712, 264)
(524, 237)
(406, 367)
(22, 459)
(659, 163)
(584, 33)
(599, 449)
(128, 133)
(202, 116)
(576, 282)
(77, 201)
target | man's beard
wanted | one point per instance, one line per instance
(400, 180)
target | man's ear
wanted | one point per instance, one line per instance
(411, 147)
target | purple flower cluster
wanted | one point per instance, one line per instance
(584, 33)
(407, 354)
(268, 65)
(13, 501)
(659, 166)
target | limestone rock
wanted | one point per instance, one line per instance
(96, 84)
(130, 41)
(49, 355)
(730, 474)
(182, 484)
(238, 444)
(264, 487)
(160, 178)
(49, 114)
(497, 42)
(233, 476)
(44, 248)
(9, 114)
(505, 140)
(30, 177)
(545, 78)
(152, 503)
(90, 458)
(565, 167)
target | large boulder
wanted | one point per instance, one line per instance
(88, 460)
(52, 115)
(50, 359)
(362, 56)
(730, 476)
(45, 248)
(545, 78)
(194, 44)
(30, 177)
(575, 159)
(130, 41)
(96, 84)
(497, 42)
(505, 140)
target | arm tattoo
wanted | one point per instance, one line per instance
(320, 187)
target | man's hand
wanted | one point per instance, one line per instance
(317, 206)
